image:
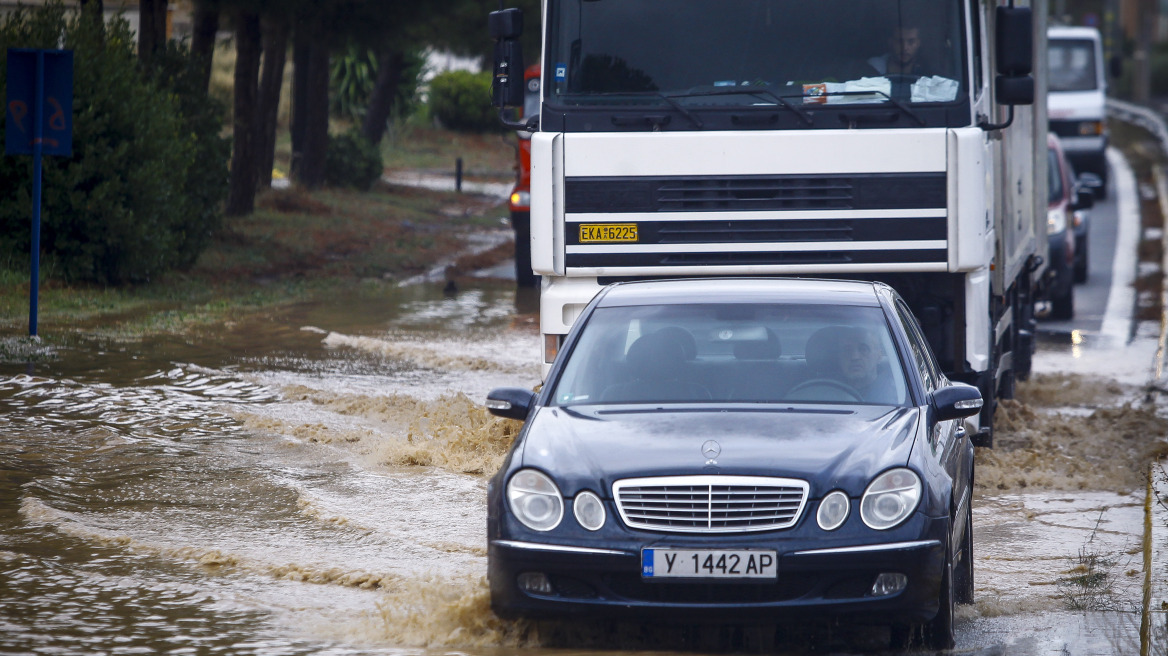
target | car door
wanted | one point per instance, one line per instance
(948, 441)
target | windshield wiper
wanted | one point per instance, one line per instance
(752, 91)
(655, 94)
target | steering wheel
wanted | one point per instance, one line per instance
(826, 382)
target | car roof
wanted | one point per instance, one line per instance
(741, 290)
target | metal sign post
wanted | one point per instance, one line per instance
(39, 122)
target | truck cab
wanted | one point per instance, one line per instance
(881, 140)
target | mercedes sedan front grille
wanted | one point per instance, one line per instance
(710, 504)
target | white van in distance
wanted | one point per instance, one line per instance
(1076, 101)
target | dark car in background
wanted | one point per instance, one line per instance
(739, 450)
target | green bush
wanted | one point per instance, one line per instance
(351, 161)
(141, 192)
(461, 101)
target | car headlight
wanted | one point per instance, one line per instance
(1056, 221)
(589, 510)
(890, 499)
(535, 500)
(833, 510)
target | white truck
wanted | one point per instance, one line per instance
(891, 140)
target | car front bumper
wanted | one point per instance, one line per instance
(812, 582)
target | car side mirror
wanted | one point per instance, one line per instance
(1090, 181)
(506, 26)
(956, 401)
(1084, 199)
(510, 402)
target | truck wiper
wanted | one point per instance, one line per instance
(751, 91)
(876, 92)
(655, 94)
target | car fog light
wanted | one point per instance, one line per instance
(537, 583)
(589, 510)
(833, 510)
(888, 583)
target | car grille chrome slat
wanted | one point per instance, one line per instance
(710, 504)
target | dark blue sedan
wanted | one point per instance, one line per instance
(739, 450)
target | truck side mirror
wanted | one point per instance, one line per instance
(1014, 89)
(506, 27)
(1014, 42)
(1014, 47)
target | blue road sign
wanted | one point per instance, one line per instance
(55, 101)
(38, 121)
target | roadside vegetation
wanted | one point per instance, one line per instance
(161, 252)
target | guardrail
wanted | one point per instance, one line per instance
(1141, 116)
(1155, 592)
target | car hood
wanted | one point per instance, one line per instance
(593, 446)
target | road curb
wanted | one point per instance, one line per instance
(1154, 620)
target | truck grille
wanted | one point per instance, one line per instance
(756, 193)
(710, 504)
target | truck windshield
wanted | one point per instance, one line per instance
(1072, 65)
(654, 52)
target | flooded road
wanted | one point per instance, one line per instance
(314, 482)
(255, 489)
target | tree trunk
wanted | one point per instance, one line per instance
(301, 54)
(241, 195)
(389, 78)
(316, 115)
(151, 29)
(275, 39)
(203, 40)
(98, 8)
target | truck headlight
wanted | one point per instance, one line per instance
(535, 500)
(890, 499)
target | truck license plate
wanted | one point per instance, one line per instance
(607, 233)
(709, 564)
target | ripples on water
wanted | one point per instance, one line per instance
(140, 512)
(316, 484)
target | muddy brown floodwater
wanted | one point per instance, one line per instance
(314, 482)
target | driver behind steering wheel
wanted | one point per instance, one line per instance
(852, 355)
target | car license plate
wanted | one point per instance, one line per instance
(607, 233)
(709, 564)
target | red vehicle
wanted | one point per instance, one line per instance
(520, 202)
(1065, 201)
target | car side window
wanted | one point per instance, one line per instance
(920, 350)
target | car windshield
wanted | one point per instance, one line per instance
(696, 52)
(733, 353)
(1072, 65)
